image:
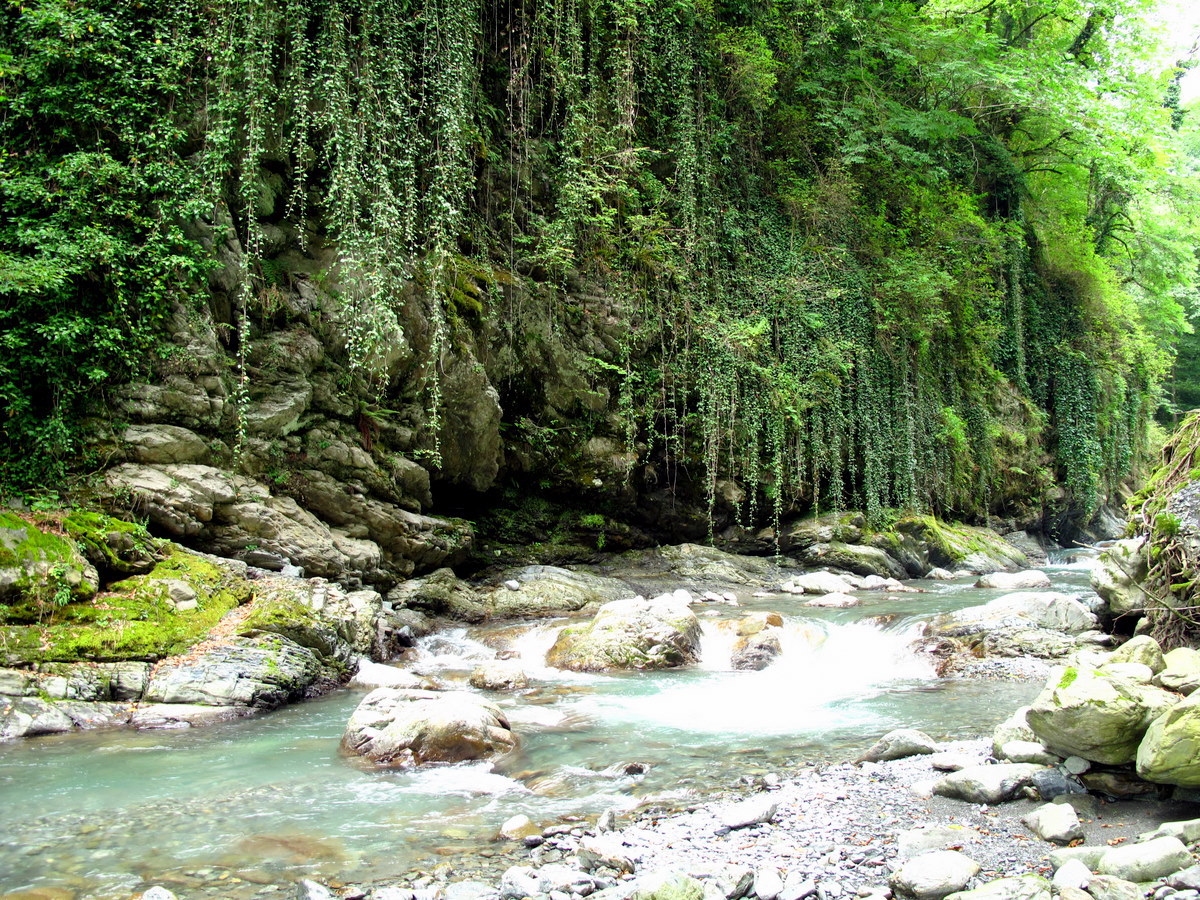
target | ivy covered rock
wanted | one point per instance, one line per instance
(661, 633)
(40, 570)
(1099, 717)
(407, 728)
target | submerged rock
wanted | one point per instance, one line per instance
(630, 634)
(406, 728)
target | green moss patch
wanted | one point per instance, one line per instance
(113, 545)
(134, 619)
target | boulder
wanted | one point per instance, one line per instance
(1180, 671)
(607, 850)
(834, 601)
(499, 675)
(261, 672)
(1102, 718)
(630, 634)
(934, 875)
(1017, 887)
(856, 558)
(408, 728)
(1028, 752)
(1146, 861)
(551, 591)
(113, 546)
(898, 744)
(1140, 649)
(1073, 873)
(822, 583)
(924, 838)
(337, 625)
(987, 784)
(373, 675)
(164, 444)
(1017, 642)
(1170, 751)
(959, 547)
(1014, 728)
(754, 811)
(756, 622)
(1023, 609)
(1108, 887)
(700, 564)
(754, 652)
(1117, 576)
(1057, 823)
(1014, 581)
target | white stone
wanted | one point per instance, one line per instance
(1146, 862)
(755, 811)
(1055, 822)
(768, 885)
(1014, 581)
(1073, 873)
(934, 875)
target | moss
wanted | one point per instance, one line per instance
(112, 544)
(133, 620)
(1068, 678)
(51, 569)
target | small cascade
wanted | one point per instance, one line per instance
(450, 650)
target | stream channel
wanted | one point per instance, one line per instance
(270, 799)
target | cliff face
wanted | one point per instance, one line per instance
(587, 274)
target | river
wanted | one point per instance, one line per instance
(239, 805)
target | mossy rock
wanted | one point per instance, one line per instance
(40, 570)
(113, 545)
(978, 550)
(135, 619)
(287, 615)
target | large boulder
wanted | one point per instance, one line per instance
(857, 558)
(1140, 649)
(934, 875)
(1015, 581)
(1099, 717)
(988, 784)
(40, 569)
(440, 593)
(1170, 751)
(630, 634)
(1023, 609)
(959, 547)
(551, 591)
(1180, 670)
(1118, 573)
(754, 652)
(406, 728)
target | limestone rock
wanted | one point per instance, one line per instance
(1023, 609)
(834, 601)
(987, 784)
(552, 591)
(754, 811)
(934, 875)
(405, 728)
(630, 634)
(1170, 751)
(164, 444)
(1140, 649)
(1107, 887)
(856, 558)
(1014, 728)
(1145, 862)
(373, 675)
(822, 583)
(1057, 823)
(262, 672)
(1082, 712)
(1118, 573)
(899, 744)
(440, 593)
(1015, 581)
(336, 624)
(1042, 643)
(1028, 752)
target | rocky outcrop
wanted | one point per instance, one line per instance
(406, 728)
(630, 634)
(40, 568)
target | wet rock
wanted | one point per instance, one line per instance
(406, 728)
(934, 875)
(551, 591)
(440, 593)
(1147, 861)
(1102, 718)
(1055, 822)
(1015, 581)
(630, 634)
(1170, 751)
(1140, 649)
(518, 827)
(987, 784)
(499, 675)
(373, 675)
(1019, 887)
(1117, 576)
(834, 601)
(898, 744)
(754, 652)
(822, 583)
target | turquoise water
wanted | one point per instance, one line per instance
(272, 798)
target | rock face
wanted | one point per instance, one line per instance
(405, 728)
(1101, 718)
(630, 634)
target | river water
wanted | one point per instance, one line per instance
(271, 799)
